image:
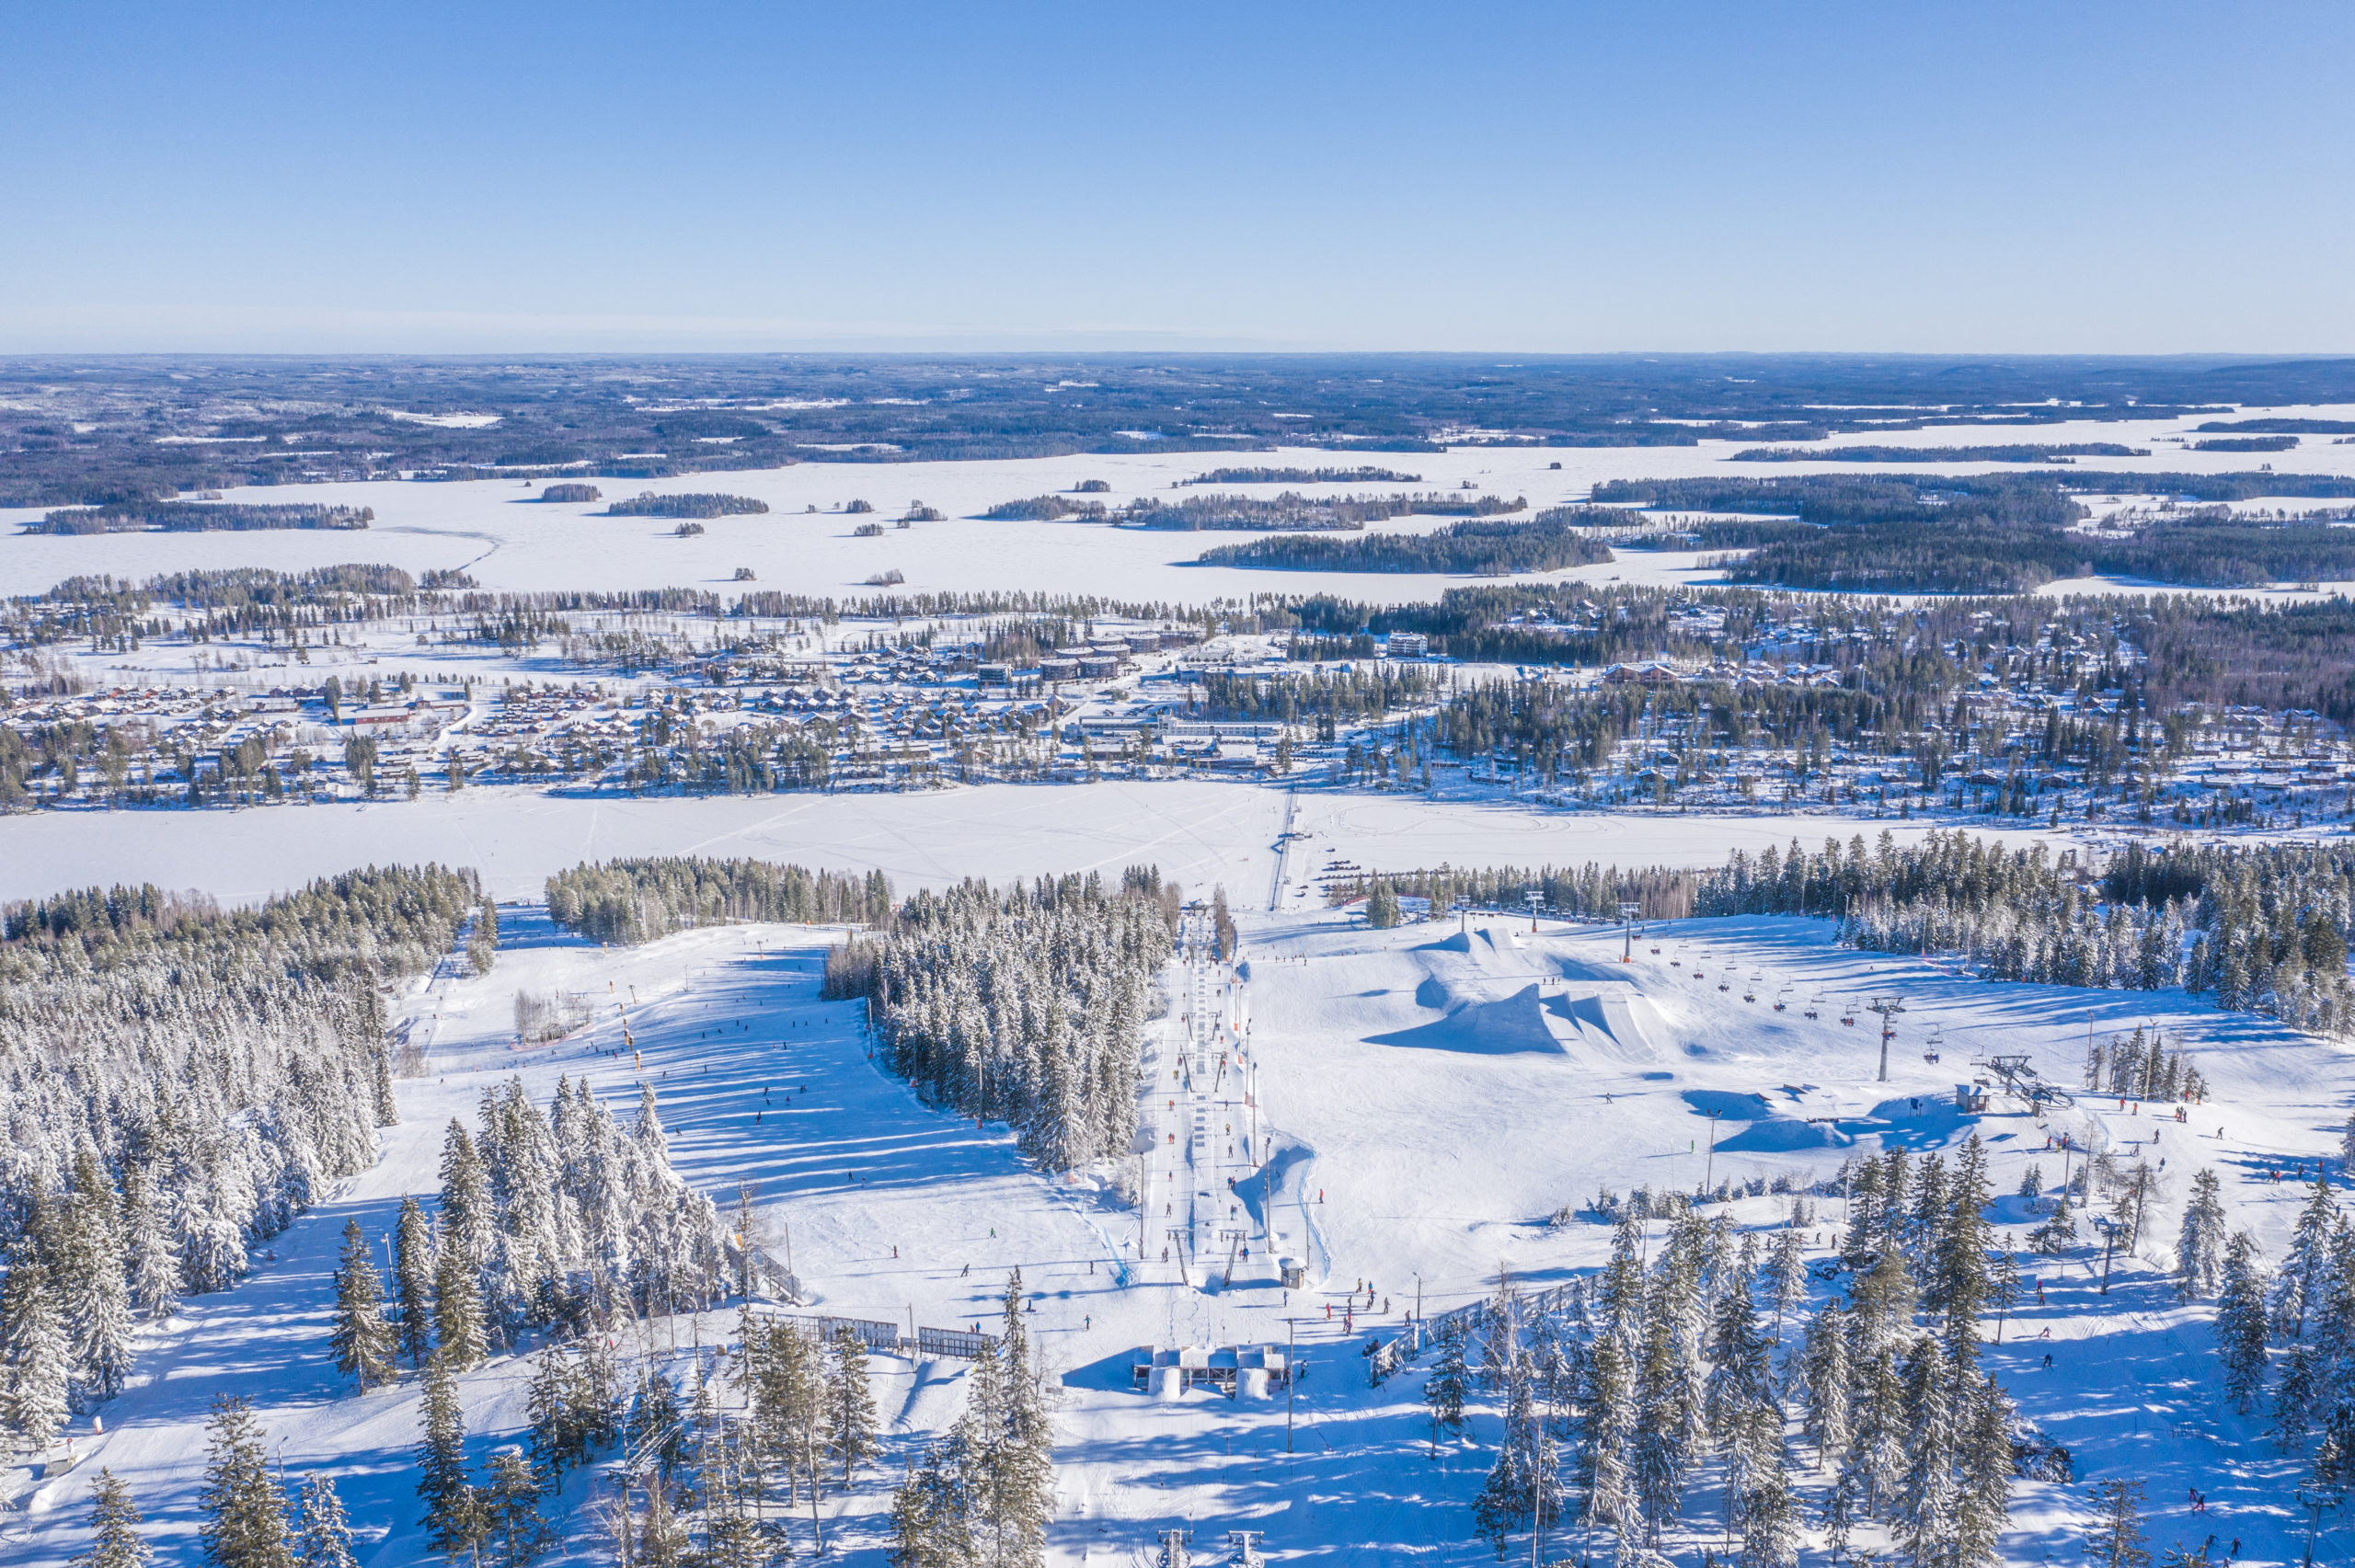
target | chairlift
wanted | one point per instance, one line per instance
(1814, 1005)
(1782, 999)
(1848, 1015)
(1930, 1046)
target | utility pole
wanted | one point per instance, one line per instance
(1629, 910)
(1888, 1007)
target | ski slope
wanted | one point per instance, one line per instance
(1408, 1108)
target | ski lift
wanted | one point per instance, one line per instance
(1930, 1046)
(1678, 961)
(1848, 1015)
(1814, 1005)
(1782, 999)
(1749, 991)
(1724, 985)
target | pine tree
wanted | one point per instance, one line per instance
(152, 1266)
(91, 1281)
(36, 1365)
(509, 1509)
(1005, 1445)
(928, 1524)
(244, 1513)
(2059, 1233)
(2116, 1539)
(324, 1535)
(1608, 1409)
(413, 1268)
(1825, 1374)
(2305, 1276)
(1928, 1506)
(457, 1310)
(2200, 1247)
(1449, 1385)
(362, 1338)
(114, 1528)
(1771, 1537)
(454, 1515)
(2240, 1321)
(1787, 1275)
(1987, 1469)
(850, 1405)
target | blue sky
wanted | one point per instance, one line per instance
(513, 178)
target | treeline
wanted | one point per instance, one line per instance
(1937, 453)
(1303, 477)
(180, 1084)
(198, 517)
(1025, 1005)
(703, 504)
(1587, 892)
(1546, 542)
(1966, 557)
(2028, 498)
(2262, 929)
(2247, 443)
(1293, 510)
(640, 901)
(1044, 508)
(572, 493)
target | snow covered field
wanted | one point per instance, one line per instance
(1200, 833)
(1426, 1098)
(508, 543)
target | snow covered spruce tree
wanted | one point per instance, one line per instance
(244, 1513)
(363, 1337)
(552, 1219)
(180, 1080)
(982, 1495)
(1025, 1005)
(114, 1527)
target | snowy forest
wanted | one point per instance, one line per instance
(1025, 1005)
(1680, 1371)
(178, 1085)
(638, 900)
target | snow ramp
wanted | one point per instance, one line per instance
(1608, 1021)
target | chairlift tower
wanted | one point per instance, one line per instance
(1535, 899)
(1629, 910)
(1888, 1007)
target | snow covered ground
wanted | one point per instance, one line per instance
(509, 542)
(1425, 1098)
(1202, 833)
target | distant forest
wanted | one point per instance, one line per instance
(1293, 510)
(198, 517)
(1999, 532)
(1304, 477)
(1044, 508)
(80, 431)
(1937, 453)
(2279, 426)
(2247, 443)
(1483, 547)
(702, 504)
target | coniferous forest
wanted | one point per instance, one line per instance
(1025, 1004)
